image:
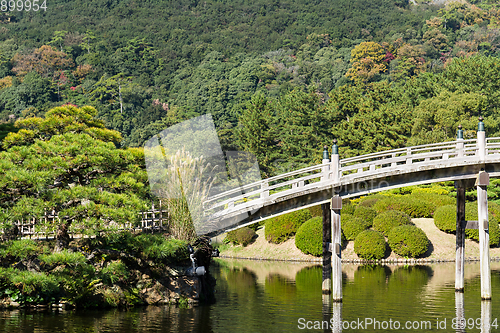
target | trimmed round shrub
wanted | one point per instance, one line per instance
(352, 226)
(371, 200)
(281, 228)
(367, 214)
(445, 218)
(348, 209)
(309, 237)
(408, 241)
(243, 236)
(384, 222)
(412, 206)
(370, 244)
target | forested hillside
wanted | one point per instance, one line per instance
(281, 78)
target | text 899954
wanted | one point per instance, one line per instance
(20, 5)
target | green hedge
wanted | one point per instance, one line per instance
(384, 222)
(370, 244)
(316, 211)
(413, 206)
(352, 226)
(243, 236)
(371, 200)
(309, 237)
(445, 219)
(408, 241)
(494, 209)
(436, 200)
(471, 215)
(367, 214)
(281, 228)
(348, 209)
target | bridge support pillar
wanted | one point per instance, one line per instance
(460, 237)
(336, 206)
(482, 181)
(327, 255)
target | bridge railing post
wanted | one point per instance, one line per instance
(325, 170)
(335, 162)
(264, 190)
(481, 140)
(460, 142)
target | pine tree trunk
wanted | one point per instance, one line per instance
(62, 237)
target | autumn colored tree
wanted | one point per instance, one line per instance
(367, 60)
(44, 60)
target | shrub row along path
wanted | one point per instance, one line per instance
(442, 247)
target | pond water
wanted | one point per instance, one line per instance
(262, 296)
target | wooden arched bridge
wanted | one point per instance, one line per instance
(353, 177)
(460, 161)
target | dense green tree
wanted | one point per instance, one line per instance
(34, 91)
(478, 74)
(88, 182)
(436, 119)
(304, 128)
(257, 132)
(60, 120)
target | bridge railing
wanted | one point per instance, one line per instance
(266, 187)
(493, 146)
(370, 163)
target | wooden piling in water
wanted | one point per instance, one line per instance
(460, 237)
(483, 180)
(336, 206)
(327, 255)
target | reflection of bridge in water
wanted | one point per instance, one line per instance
(461, 161)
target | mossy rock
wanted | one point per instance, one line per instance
(384, 222)
(408, 241)
(370, 245)
(283, 227)
(352, 226)
(309, 237)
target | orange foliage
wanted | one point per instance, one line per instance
(44, 60)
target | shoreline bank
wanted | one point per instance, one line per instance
(441, 249)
